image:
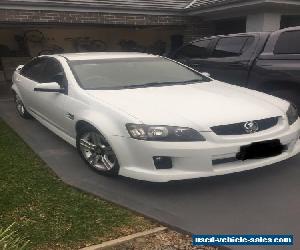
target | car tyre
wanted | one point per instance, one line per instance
(22, 111)
(96, 151)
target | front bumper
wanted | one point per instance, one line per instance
(199, 159)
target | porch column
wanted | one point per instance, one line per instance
(263, 22)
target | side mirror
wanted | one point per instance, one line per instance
(59, 78)
(205, 74)
(52, 87)
(19, 67)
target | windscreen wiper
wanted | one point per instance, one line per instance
(159, 84)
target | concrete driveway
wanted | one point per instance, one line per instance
(263, 201)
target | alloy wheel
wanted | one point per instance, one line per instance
(97, 152)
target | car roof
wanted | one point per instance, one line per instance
(232, 35)
(104, 55)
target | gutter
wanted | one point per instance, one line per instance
(188, 10)
(88, 8)
(225, 6)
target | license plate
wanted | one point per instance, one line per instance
(259, 150)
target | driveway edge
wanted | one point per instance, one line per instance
(122, 240)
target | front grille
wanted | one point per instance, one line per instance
(238, 128)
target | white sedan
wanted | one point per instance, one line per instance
(150, 118)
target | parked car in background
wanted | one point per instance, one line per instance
(150, 118)
(268, 62)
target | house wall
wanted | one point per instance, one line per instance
(57, 26)
(197, 28)
(64, 36)
(7, 38)
(71, 17)
(195, 31)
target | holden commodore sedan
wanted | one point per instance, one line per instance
(151, 118)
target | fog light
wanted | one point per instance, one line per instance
(162, 162)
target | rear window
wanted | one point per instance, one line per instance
(232, 46)
(197, 49)
(288, 43)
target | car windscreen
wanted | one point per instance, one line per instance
(132, 73)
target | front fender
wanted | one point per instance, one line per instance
(108, 123)
(15, 89)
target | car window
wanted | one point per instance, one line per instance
(34, 69)
(232, 46)
(288, 43)
(197, 49)
(54, 72)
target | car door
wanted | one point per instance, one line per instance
(195, 54)
(230, 59)
(28, 78)
(57, 108)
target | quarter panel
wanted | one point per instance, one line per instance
(270, 71)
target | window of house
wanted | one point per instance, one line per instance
(197, 49)
(232, 46)
(230, 26)
(288, 43)
(289, 21)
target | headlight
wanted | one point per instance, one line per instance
(292, 114)
(163, 133)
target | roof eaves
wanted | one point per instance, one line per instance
(223, 6)
(84, 8)
(190, 4)
(207, 5)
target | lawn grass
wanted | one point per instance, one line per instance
(46, 211)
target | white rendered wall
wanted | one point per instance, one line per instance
(263, 22)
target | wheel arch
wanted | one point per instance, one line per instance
(81, 124)
(16, 91)
(87, 123)
(108, 123)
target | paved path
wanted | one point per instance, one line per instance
(261, 201)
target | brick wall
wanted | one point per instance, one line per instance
(196, 28)
(68, 17)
